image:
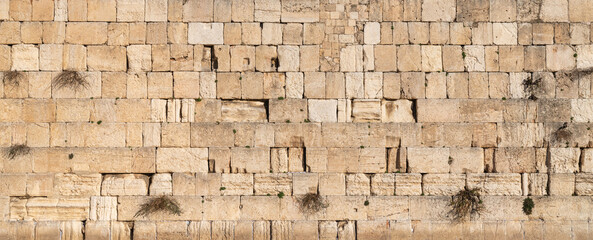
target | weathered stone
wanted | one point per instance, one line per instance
(442, 184)
(124, 184)
(205, 33)
(243, 111)
(496, 183)
(182, 160)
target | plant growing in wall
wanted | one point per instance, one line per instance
(70, 79)
(17, 150)
(159, 204)
(13, 78)
(528, 206)
(466, 203)
(311, 203)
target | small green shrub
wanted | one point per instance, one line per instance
(528, 206)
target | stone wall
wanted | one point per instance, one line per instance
(237, 109)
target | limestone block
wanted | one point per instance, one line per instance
(292, 34)
(243, 111)
(272, 34)
(438, 110)
(267, 10)
(182, 160)
(242, 58)
(309, 58)
(385, 58)
(98, 10)
(86, 33)
(373, 85)
(130, 10)
(105, 58)
(314, 85)
(437, 11)
(187, 85)
(288, 110)
(77, 184)
(396, 111)
(212, 135)
(303, 183)
(250, 160)
(481, 111)
(274, 85)
(208, 84)
(182, 57)
(504, 33)
(431, 58)
(372, 33)
(266, 58)
(206, 183)
(50, 57)
(578, 9)
(156, 10)
(288, 58)
(332, 184)
(322, 110)
(538, 184)
(272, 184)
(564, 160)
(161, 184)
(554, 11)
(124, 184)
(237, 184)
(584, 184)
(103, 208)
(366, 110)
(242, 11)
(205, 33)
(222, 208)
(514, 160)
(407, 184)
(228, 85)
(467, 160)
(442, 184)
(562, 184)
(139, 57)
(409, 58)
(454, 56)
(25, 57)
(519, 135)
(473, 11)
(300, 11)
(75, 57)
(506, 184)
(294, 85)
(560, 57)
(428, 160)
(351, 59)
(56, 209)
(584, 56)
(383, 184)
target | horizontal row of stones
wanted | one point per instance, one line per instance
(82, 113)
(295, 11)
(233, 208)
(310, 230)
(399, 33)
(288, 58)
(318, 160)
(272, 184)
(300, 229)
(312, 85)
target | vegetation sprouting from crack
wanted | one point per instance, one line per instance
(70, 79)
(17, 150)
(159, 204)
(466, 203)
(13, 78)
(530, 87)
(562, 134)
(311, 203)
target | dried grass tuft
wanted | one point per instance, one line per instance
(311, 203)
(17, 151)
(70, 79)
(159, 204)
(13, 78)
(466, 203)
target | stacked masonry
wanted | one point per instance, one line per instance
(238, 108)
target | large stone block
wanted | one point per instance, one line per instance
(205, 33)
(124, 184)
(182, 160)
(300, 11)
(436, 10)
(78, 184)
(428, 160)
(442, 184)
(243, 111)
(506, 184)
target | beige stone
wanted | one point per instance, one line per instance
(436, 11)
(300, 11)
(243, 111)
(205, 33)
